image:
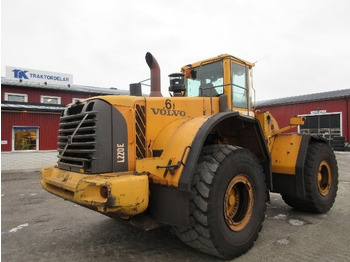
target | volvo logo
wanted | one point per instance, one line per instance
(168, 110)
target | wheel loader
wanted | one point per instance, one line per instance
(202, 160)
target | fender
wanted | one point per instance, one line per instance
(292, 182)
(169, 151)
(244, 131)
(239, 130)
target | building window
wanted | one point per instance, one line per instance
(323, 124)
(50, 100)
(16, 97)
(25, 138)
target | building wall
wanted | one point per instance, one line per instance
(282, 113)
(34, 94)
(47, 122)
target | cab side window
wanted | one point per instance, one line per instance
(239, 86)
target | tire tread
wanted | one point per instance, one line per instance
(198, 235)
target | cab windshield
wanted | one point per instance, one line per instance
(207, 80)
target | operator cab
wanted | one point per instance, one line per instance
(221, 75)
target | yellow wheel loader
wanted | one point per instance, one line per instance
(201, 160)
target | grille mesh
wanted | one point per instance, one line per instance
(77, 141)
(140, 120)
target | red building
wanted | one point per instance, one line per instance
(326, 113)
(30, 111)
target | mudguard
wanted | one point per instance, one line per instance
(288, 162)
(244, 131)
(247, 133)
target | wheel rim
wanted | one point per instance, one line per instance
(238, 202)
(324, 178)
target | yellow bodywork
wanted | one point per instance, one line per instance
(176, 139)
(284, 153)
(171, 127)
(172, 124)
(126, 194)
(284, 148)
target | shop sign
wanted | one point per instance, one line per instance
(318, 112)
(37, 76)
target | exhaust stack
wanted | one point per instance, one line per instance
(155, 75)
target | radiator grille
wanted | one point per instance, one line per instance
(89, 135)
(77, 141)
(140, 119)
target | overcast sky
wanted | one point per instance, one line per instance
(301, 46)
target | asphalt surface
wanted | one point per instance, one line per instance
(27, 161)
(37, 226)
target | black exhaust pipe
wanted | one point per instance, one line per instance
(155, 75)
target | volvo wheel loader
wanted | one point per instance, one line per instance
(201, 160)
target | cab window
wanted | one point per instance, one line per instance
(239, 86)
(208, 80)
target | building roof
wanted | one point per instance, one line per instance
(306, 98)
(69, 88)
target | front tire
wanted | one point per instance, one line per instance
(228, 206)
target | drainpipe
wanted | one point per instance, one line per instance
(347, 118)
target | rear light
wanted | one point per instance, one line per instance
(104, 192)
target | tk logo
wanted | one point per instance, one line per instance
(20, 74)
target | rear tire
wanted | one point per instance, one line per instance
(228, 204)
(320, 179)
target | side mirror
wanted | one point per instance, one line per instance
(190, 73)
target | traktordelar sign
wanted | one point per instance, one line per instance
(38, 76)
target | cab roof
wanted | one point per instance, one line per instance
(217, 58)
